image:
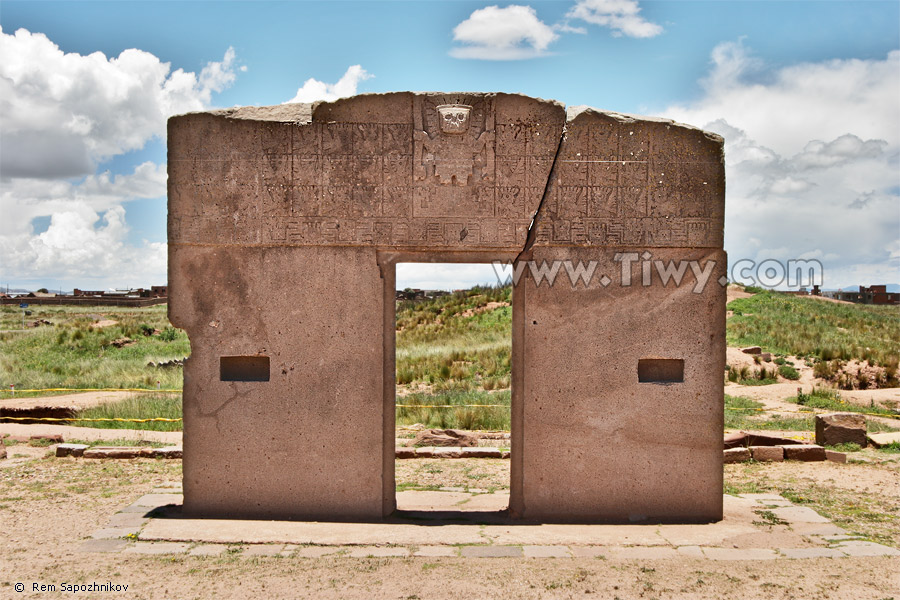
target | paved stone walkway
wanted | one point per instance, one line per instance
(755, 527)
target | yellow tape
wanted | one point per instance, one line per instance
(810, 413)
(7, 391)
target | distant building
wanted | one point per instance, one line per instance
(875, 294)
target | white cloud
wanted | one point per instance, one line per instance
(62, 113)
(314, 90)
(812, 153)
(786, 108)
(87, 236)
(510, 33)
(444, 276)
(622, 16)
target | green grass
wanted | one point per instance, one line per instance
(459, 349)
(138, 406)
(744, 413)
(457, 416)
(830, 399)
(437, 342)
(785, 324)
(73, 353)
(892, 448)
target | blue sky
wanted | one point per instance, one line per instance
(805, 93)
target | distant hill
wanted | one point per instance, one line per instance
(891, 288)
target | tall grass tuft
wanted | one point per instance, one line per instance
(137, 406)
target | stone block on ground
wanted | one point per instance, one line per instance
(447, 453)
(767, 453)
(118, 452)
(883, 439)
(804, 452)
(734, 455)
(481, 453)
(2, 451)
(445, 437)
(52, 438)
(841, 428)
(752, 350)
(71, 449)
(402, 452)
(168, 452)
(834, 456)
(491, 551)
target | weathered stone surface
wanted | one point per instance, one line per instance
(445, 437)
(767, 453)
(103, 545)
(833, 456)
(330, 197)
(71, 449)
(751, 350)
(841, 428)
(883, 439)
(168, 452)
(733, 455)
(118, 452)
(805, 452)
(862, 548)
(744, 439)
(491, 551)
(446, 452)
(401, 452)
(2, 451)
(51, 438)
(481, 453)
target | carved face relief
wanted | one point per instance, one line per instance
(454, 117)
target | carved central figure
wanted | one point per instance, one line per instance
(452, 148)
(454, 117)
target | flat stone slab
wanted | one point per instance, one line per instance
(103, 545)
(71, 449)
(799, 514)
(109, 533)
(223, 531)
(546, 552)
(314, 551)
(208, 550)
(492, 551)
(739, 537)
(377, 551)
(263, 550)
(127, 519)
(740, 554)
(428, 500)
(485, 503)
(157, 500)
(795, 553)
(862, 548)
(436, 551)
(642, 553)
(883, 439)
(153, 548)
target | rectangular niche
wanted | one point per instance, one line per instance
(661, 370)
(244, 368)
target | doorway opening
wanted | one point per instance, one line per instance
(453, 376)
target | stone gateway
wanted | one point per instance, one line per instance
(285, 226)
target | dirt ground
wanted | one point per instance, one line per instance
(48, 506)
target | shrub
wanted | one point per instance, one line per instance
(788, 372)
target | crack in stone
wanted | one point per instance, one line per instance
(529, 240)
